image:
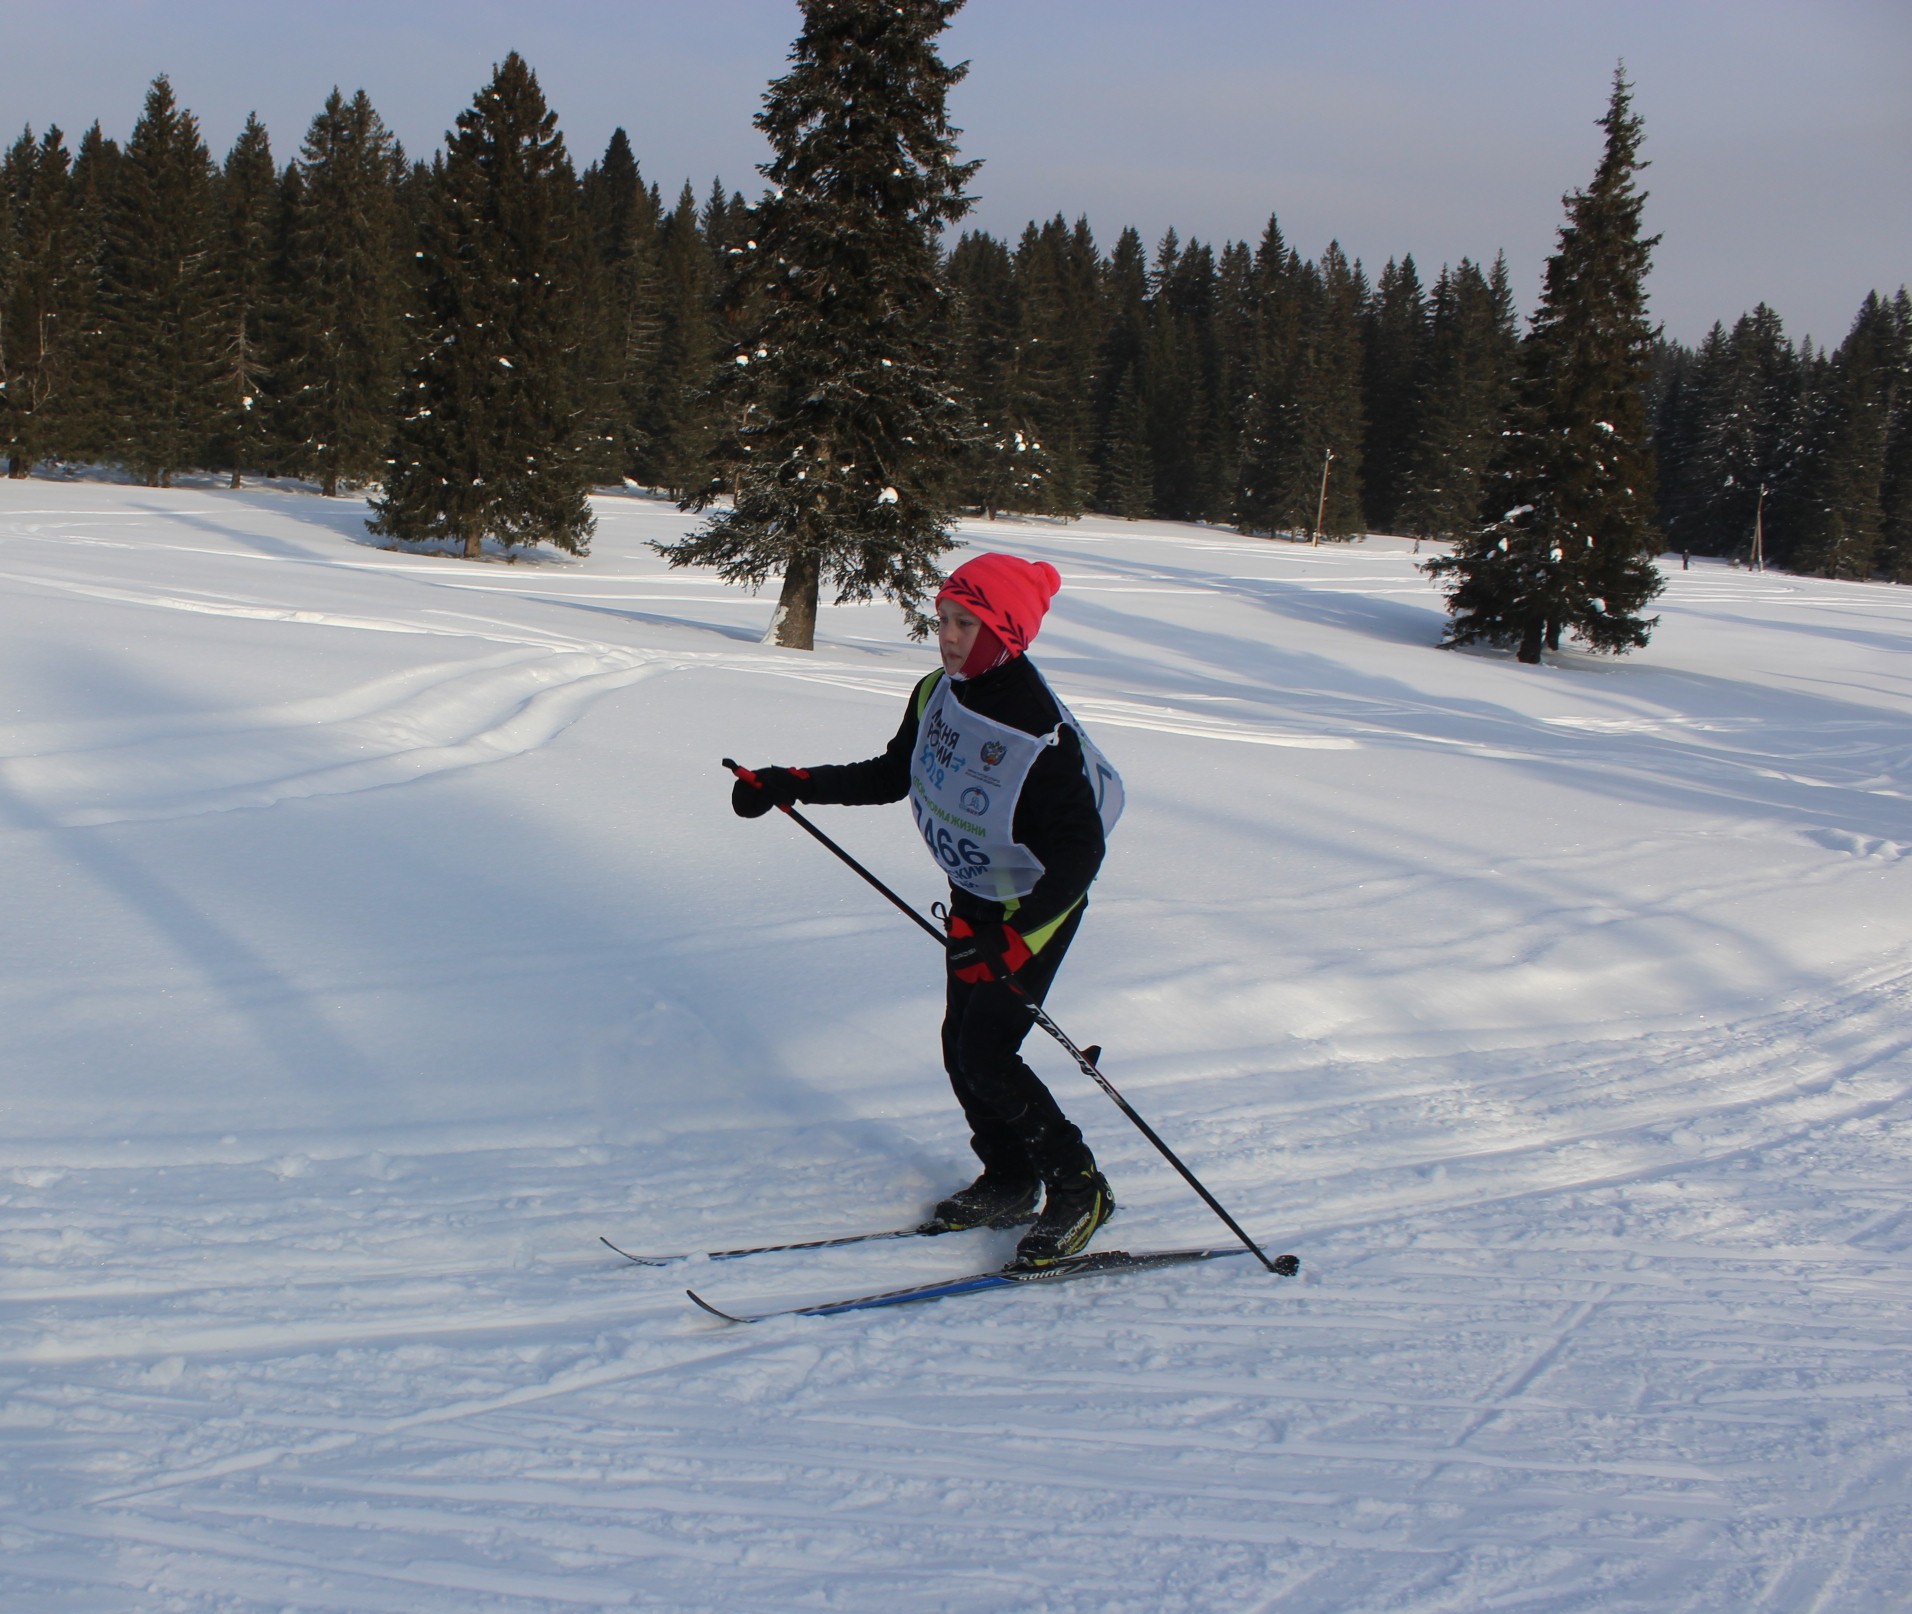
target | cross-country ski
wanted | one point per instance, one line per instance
(1100, 1263)
(921, 1231)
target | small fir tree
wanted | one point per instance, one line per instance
(1569, 544)
(499, 433)
(844, 435)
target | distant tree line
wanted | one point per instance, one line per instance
(483, 337)
(166, 313)
(1809, 451)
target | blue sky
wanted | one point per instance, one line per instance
(1780, 131)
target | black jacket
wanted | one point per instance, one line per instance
(1056, 817)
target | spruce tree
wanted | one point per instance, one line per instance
(1128, 470)
(1676, 401)
(41, 265)
(1331, 414)
(624, 217)
(1895, 558)
(1303, 460)
(844, 436)
(1182, 392)
(1837, 525)
(1232, 348)
(1568, 546)
(1394, 361)
(340, 380)
(1737, 434)
(682, 423)
(159, 296)
(1267, 409)
(725, 225)
(249, 298)
(1468, 366)
(85, 426)
(1125, 463)
(499, 433)
(1007, 468)
(1058, 330)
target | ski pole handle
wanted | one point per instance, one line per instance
(745, 774)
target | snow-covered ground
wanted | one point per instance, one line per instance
(376, 934)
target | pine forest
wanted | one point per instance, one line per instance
(478, 339)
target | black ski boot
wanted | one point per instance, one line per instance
(1077, 1205)
(997, 1198)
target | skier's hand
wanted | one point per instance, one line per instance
(758, 790)
(985, 952)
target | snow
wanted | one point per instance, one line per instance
(377, 935)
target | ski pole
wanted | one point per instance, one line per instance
(1283, 1265)
(750, 778)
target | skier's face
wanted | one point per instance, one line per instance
(956, 633)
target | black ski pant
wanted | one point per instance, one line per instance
(1015, 1124)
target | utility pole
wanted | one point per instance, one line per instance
(1321, 506)
(1759, 531)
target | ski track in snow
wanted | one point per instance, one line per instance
(1558, 1019)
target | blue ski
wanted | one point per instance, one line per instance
(1093, 1264)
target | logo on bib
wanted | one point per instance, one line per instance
(976, 801)
(993, 751)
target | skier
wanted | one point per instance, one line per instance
(1014, 804)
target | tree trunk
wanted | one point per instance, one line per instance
(1530, 641)
(18, 465)
(793, 626)
(474, 544)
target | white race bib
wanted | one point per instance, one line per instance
(966, 777)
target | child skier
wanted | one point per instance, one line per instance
(1014, 803)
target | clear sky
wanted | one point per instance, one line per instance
(1780, 131)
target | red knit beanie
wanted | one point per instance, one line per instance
(1005, 593)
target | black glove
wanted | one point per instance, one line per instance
(756, 792)
(985, 952)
